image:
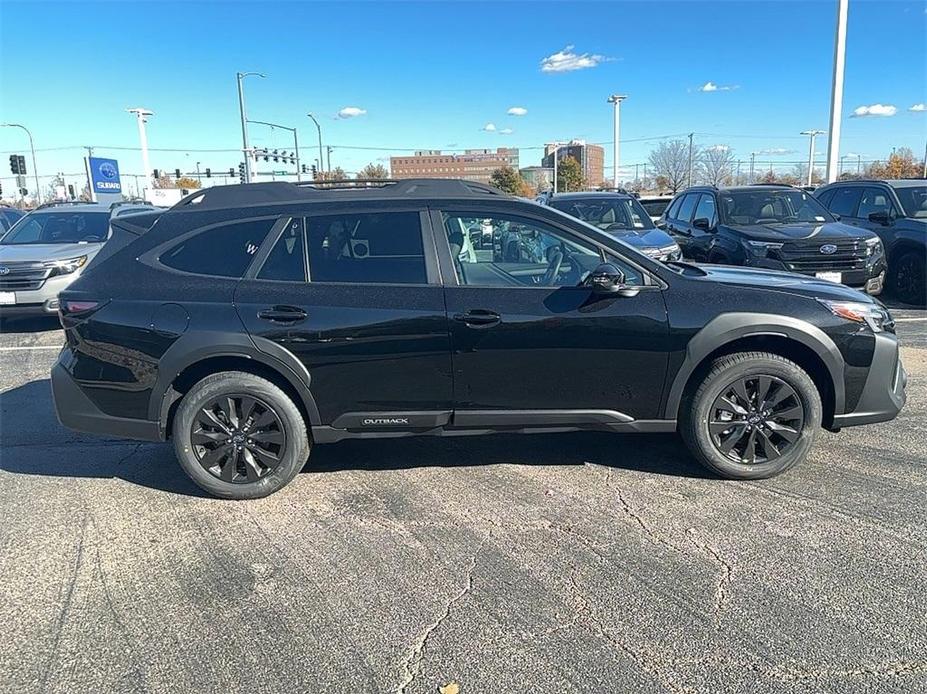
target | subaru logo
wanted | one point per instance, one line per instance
(108, 170)
(4, 270)
(828, 249)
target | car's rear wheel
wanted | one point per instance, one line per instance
(754, 415)
(239, 436)
(908, 278)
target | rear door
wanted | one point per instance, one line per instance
(354, 295)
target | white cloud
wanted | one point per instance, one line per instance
(506, 131)
(567, 61)
(517, 111)
(351, 112)
(775, 151)
(719, 148)
(489, 128)
(712, 87)
(874, 110)
(917, 108)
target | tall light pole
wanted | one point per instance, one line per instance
(691, 135)
(813, 134)
(616, 99)
(35, 171)
(836, 93)
(244, 121)
(141, 117)
(319, 128)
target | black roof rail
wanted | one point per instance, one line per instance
(774, 185)
(63, 203)
(283, 192)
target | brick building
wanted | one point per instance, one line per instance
(471, 164)
(590, 157)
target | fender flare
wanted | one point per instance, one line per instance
(194, 346)
(733, 326)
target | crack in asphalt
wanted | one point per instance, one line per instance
(412, 663)
(724, 577)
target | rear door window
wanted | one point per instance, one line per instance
(221, 251)
(287, 259)
(874, 200)
(368, 247)
(687, 207)
(706, 209)
(674, 208)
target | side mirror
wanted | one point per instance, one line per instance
(882, 218)
(660, 224)
(702, 223)
(607, 278)
(836, 216)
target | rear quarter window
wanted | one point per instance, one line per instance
(221, 251)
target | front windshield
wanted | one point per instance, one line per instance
(607, 214)
(914, 201)
(58, 227)
(764, 206)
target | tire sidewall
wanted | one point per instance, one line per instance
(296, 450)
(720, 381)
(919, 266)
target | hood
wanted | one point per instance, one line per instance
(38, 252)
(797, 231)
(784, 281)
(643, 238)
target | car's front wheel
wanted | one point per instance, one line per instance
(908, 278)
(754, 415)
(239, 436)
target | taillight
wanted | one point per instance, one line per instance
(75, 309)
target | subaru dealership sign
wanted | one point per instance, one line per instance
(104, 173)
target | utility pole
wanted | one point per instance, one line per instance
(141, 116)
(319, 128)
(691, 135)
(859, 164)
(328, 157)
(813, 134)
(35, 171)
(836, 94)
(93, 195)
(244, 121)
(925, 162)
(752, 162)
(616, 99)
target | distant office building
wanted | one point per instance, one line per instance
(590, 157)
(471, 164)
(538, 177)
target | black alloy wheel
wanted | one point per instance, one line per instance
(238, 438)
(756, 419)
(908, 279)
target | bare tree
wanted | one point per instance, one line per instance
(670, 162)
(716, 165)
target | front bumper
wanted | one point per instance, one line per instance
(870, 279)
(883, 394)
(76, 411)
(39, 302)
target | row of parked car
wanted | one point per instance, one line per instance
(865, 234)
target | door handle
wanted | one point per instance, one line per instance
(478, 318)
(283, 314)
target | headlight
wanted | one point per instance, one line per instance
(873, 315)
(671, 252)
(762, 248)
(66, 267)
(873, 246)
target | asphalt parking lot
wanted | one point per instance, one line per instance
(571, 563)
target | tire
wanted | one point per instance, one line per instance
(702, 422)
(908, 278)
(202, 432)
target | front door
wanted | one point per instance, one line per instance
(352, 296)
(531, 346)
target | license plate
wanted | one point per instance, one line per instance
(829, 276)
(7, 298)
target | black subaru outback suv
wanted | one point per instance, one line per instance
(249, 323)
(777, 227)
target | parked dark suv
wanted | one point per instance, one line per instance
(897, 212)
(250, 322)
(777, 227)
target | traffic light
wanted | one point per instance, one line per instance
(303, 168)
(156, 174)
(1, 189)
(176, 173)
(241, 172)
(314, 170)
(71, 190)
(208, 172)
(276, 158)
(14, 164)
(22, 165)
(231, 172)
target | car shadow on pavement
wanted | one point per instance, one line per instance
(33, 324)
(33, 442)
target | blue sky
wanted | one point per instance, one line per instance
(432, 75)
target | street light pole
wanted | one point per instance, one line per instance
(244, 121)
(35, 171)
(836, 93)
(617, 99)
(691, 135)
(813, 134)
(319, 128)
(141, 115)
